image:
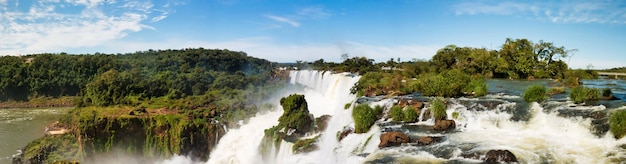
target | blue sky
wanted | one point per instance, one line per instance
(290, 30)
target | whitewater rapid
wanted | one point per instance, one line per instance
(533, 132)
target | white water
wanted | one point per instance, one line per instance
(544, 138)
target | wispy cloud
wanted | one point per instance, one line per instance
(603, 11)
(284, 20)
(317, 12)
(49, 26)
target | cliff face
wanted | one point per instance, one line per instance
(149, 137)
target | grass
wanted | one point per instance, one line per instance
(581, 94)
(438, 108)
(396, 113)
(617, 123)
(535, 93)
(364, 117)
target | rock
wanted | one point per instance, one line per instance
(500, 156)
(344, 133)
(393, 139)
(444, 125)
(322, 122)
(416, 104)
(428, 140)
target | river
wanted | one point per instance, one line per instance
(18, 127)
(553, 131)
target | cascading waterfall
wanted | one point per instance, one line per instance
(534, 133)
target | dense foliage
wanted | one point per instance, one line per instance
(535, 93)
(618, 123)
(296, 114)
(438, 109)
(364, 117)
(581, 94)
(396, 113)
(410, 115)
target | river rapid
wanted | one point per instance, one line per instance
(554, 131)
(18, 127)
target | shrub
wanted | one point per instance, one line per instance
(535, 93)
(296, 114)
(618, 123)
(606, 92)
(581, 94)
(476, 87)
(410, 115)
(556, 90)
(364, 117)
(396, 113)
(305, 145)
(446, 84)
(438, 109)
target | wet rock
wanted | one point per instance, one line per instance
(393, 139)
(500, 156)
(322, 122)
(444, 125)
(429, 140)
(345, 132)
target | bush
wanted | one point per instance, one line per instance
(364, 117)
(476, 87)
(446, 84)
(410, 115)
(438, 109)
(296, 114)
(556, 90)
(618, 123)
(581, 94)
(535, 93)
(396, 113)
(606, 92)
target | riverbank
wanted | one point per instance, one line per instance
(39, 102)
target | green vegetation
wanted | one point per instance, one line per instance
(617, 123)
(148, 103)
(410, 115)
(305, 145)
(396, 113)
(581, 94)
(455, 115)
(296, 114)
(364, 117)
(438, 108)
(573, 77)
(535, 93)
(347, 106)
(556, 90)
(380, 83)
(476, 87)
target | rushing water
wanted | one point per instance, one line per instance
(554, 131)
(18, 127)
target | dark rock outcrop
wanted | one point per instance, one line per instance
(343, 134)
(444, 125)
(393, 139)
(500, 156)
(322, 122)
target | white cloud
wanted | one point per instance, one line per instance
(314, 12)
(284, 20)
(603, 11)
(47, 26)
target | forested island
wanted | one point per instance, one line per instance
(159, 103)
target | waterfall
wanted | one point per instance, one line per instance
(326, 93)
(533, 132)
